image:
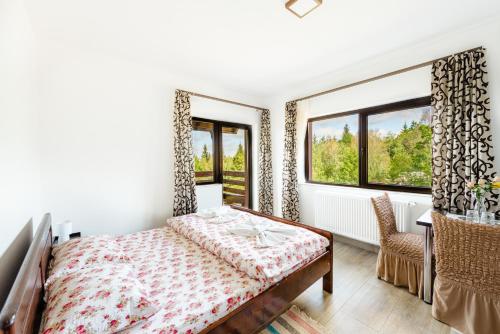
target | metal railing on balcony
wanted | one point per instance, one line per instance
(234, 186)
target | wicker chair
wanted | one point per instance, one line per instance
(467, 284)
(401, 256)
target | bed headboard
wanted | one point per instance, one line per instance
(22, 309)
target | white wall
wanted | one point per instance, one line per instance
(107, 138)
(404, 86)
(19, 165)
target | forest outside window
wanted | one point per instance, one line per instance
(222, 154)
(384, 147)
(203, 151)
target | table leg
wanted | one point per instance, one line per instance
(428, 265)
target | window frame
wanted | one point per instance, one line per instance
(363, 145)
(214, 151)
(218, 156)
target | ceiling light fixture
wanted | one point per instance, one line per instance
(302, 7)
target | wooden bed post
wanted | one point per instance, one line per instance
(328, 278)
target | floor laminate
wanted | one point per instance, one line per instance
(361, 303)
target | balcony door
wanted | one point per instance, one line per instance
(222, 154)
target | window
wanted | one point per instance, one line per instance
(222, 154)
(384, 147)
(335, 157)
(203, 150)
(399, 148)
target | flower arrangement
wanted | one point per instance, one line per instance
(482, 186)
(479, 191)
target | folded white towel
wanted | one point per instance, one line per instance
(209, 213)
(266, 232)
(219, 215)
(221, 219)
(215, 212)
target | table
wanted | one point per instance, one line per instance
(425, 220)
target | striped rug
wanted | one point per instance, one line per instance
(294, 321)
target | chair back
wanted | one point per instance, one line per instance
(467, 253)
(385, 217)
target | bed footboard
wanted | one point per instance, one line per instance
(328, 277)
(256, 314)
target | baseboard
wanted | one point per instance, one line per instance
(356, 243)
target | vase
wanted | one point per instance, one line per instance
(479, 206)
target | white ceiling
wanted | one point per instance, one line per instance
(254, 46)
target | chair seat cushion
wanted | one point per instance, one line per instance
(408, 245)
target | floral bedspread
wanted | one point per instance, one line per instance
(101, 299)
(265, 264)
(189, 286)
(193, 283)
(193, 287)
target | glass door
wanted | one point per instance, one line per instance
(222, 154)
(203, 151)
(235, 165)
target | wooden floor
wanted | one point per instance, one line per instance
(361, 303)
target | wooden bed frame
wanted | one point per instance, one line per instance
(23, 308)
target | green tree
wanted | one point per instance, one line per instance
(346, 136)
(335, 160)
(402, 158)
(239, 159)
(205, 155)
(204, 163)
(377, 168)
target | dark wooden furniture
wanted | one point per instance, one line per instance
(24, 304)
(75, 235)
(23, 307)
(71, 236)
(257, 313)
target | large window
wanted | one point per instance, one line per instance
(222, 154)
(383, 147)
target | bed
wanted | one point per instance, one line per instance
(223, 297)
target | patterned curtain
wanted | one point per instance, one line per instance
(184, 180)
(290, 204)
(265, 165)
(461, 137)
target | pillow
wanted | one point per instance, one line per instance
(78, 253)
(97, 299)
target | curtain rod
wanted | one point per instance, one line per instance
(224, 100)
(378, 77)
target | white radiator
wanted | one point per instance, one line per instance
(353, 215)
